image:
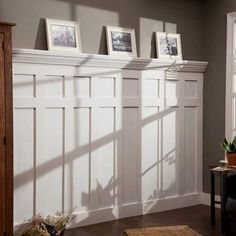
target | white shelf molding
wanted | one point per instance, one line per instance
(93, 60)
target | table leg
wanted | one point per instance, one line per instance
(212, 198)
(223, 202)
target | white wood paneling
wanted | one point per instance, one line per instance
(130, 156)
(110, 141)
(77, 161)
(102, 160)
(150, 162)
(24, 152)
(49, 167)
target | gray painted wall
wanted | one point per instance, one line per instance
(145, 16)
(214, 84)
(200, 23)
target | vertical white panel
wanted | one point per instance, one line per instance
(169, 151)
(130, 149)
(102, 161)
(191, 88)
(49, 167)
(234, 115)
(233, 97)
(23, 164)
(150, 88)
(77, 171)
(130, 87)
(190, 149)
(54, 86)
(171, 88)
(104, 87)
(149, 153)
(81, 86)
(24, 85)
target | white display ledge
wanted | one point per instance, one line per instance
(93, 60)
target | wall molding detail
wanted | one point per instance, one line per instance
(148, 207)
(135, 209)
(94, 60)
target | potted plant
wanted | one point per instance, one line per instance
(230, 148)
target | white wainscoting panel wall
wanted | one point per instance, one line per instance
(111, 136)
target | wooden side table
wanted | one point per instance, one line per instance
(222, 172)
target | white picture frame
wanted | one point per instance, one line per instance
(121, 41)
(63, 35)
(168, 45)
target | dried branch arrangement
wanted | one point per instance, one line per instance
(49, 225)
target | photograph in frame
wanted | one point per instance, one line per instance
(168, 45)
(63, 35)
(121, 41)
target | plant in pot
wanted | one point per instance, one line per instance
(230, 148)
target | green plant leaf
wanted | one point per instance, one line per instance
(232, 147)
(225, 141)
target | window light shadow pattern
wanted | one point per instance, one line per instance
(164, 13)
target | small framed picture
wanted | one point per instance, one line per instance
(168, 45)
(63, 35)
(121, 41)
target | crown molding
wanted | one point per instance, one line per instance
(107, 61)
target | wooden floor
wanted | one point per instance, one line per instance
(196, 217)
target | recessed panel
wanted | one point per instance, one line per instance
(77, 169)
(49, 166)
(104, 87)
(54, 86)
(168, 168)
(150, 165)
(81, 87)
(24, 86)
(191, 88)
(24, 149)
(102, 169)
(151, 88)
(171, 88)
(130, 88)
(190, 131)
(130, 155)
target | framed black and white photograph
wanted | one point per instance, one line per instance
(63, 35)
(121, 41)
(168, 45)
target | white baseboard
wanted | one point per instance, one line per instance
(133, 209)
(205, 198)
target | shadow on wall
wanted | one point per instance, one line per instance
(129, 14)
(153, 52)
(41, 39)
(103, 42)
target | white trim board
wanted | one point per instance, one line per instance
(129, 210)
(231, 18)
(104, 61)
